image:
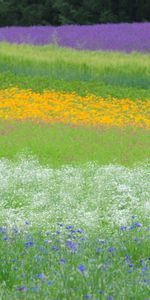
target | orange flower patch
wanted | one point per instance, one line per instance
(70, 108)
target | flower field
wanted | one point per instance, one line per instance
(120, 37)
(73, 109)
(74, 165)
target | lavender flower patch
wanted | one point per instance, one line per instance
(107, 37)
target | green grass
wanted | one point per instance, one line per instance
(38, 84)
(59, 144)
(54, 63)
(106, 273)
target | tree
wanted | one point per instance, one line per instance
(57, 12)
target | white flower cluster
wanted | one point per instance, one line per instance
(90, 196)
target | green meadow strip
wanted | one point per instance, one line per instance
(116, 69)
(59, 144)
(40, 83)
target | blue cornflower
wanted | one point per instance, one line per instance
(71, 245)
(129, 271)
(47, 241)
(81, 268)
(87, 296)
(127, 258)
(57, 232)
(140, 260)
(133, 216)
(5, 238)
(137, 224)
(101, 241)
(15, 230)
(49, 283)
(131, 266)
(41, 276)
(82, 239)
(42, 249)
(99, 250)
(62, 261)
(26, 222)
(109, 297)
(80, 231)
(132, 227)
(136, 239)
(148, 228)
(55, 248)
(72, 231)
(145, 280)
(104, 269)
(148, 258)
(111, 249)
(29, 244)
(3, 230)
(60, 224)
(47, 232)
(34, 289)
(100, 292)
(123, 228)
(144, 269)
(69, 227)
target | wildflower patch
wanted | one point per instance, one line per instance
(70, 108)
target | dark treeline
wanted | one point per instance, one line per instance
(57, 12)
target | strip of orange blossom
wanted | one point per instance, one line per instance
(91, 110)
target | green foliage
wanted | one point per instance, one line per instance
(60, 144)
(15, 12)
(40, 83)
(81, 68)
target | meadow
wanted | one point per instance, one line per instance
(74, 164)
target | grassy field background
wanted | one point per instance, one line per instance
(74, 200)
(103, 73)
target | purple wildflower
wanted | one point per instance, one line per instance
(99, 250)
(62, 261)
(81, 268)
(69, 227)
(55, 248)
(120, 37)
(40, 276)
(111, 250)
(87, 296)
(144, 269)
(29, 244)
(133, 216)
(137, 224)
(47, 232)
(123, 228)
(2, 230)
(21, 289)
